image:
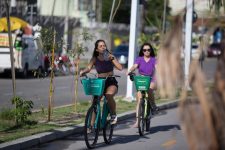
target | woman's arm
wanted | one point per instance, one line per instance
(115, 62)
(89, 67)
(133, 68)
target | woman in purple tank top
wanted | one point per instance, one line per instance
(146, 64)
(104, 63)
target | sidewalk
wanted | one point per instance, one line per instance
(45, 137)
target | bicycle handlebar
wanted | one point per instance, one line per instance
(131, 74)
(86, 76)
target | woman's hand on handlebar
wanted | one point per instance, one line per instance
(131, 74)
(128, 73)
(82, 73)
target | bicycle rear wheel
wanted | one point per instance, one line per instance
(141, 117)
(149, 116)
(108, 132)
(91, 130)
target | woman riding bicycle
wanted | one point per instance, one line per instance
(104, 63)
(146, 64)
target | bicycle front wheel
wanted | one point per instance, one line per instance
(141, 117)
(108, 132)
(91, 129)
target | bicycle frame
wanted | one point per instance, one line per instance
(142, 84)
(97, 117)
(145, 96)
(101, 115)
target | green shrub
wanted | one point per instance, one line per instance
(6, 114)
(22, 109)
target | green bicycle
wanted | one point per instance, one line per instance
(145, 113)
(96, 119)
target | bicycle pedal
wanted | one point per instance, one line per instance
(90, 130)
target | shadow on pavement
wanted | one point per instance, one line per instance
(164, 128)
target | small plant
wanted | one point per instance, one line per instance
(6, 114)
(42, 109)
(22, 109)
(76, 52)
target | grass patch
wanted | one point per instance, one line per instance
(61, 117)
(14, 132)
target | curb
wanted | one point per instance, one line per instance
(41, 138)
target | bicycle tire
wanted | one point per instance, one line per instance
(149, 116)
(90, 132)
(108, 132)
(141, 118)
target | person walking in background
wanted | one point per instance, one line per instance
(104, 63)
(18, 48)
(146, 64)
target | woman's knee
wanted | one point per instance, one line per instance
(153, 86)
(109, 96)
(138, 96)
(111, 90)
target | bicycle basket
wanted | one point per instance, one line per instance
(142, 83)
(93, 86)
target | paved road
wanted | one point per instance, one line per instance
(166, 133)
(38, 89)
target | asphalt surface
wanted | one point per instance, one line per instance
(165, 133)
(37, 90)
(42, 138)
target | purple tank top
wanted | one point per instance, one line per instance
(146, 68)
(103, 66)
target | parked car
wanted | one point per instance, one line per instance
(121, 53)
(195, 53)
(214, 50)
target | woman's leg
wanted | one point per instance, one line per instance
(110, 92)
(138, 97)
(151, 96)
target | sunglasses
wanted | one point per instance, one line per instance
(102, 46)
(145, 50)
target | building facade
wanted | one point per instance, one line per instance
(79, 9)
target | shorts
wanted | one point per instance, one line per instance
(110, 81)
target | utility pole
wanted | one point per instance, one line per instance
(11, 49)
(141, 10)
(66, 24)
(132, 44)
(188, 42)
(164, 17)
(52, 13)
(1, 8)
(99, 11)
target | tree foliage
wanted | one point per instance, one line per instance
(217, 5)
(79, 44)
(47, 37)
(153, 12)
(122, 15)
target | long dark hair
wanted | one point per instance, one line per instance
(152, 54)
(95, 53)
